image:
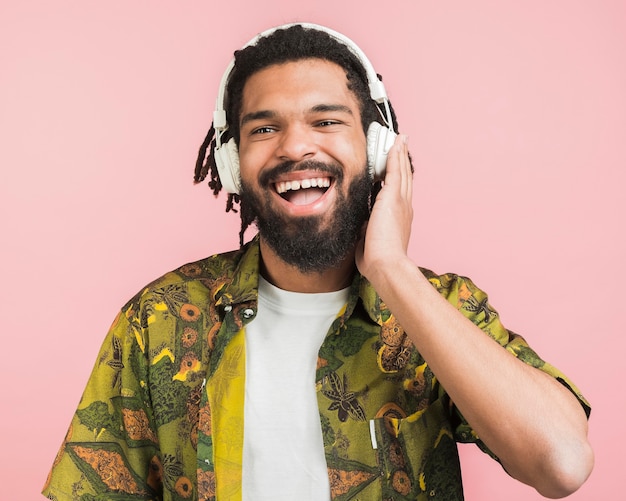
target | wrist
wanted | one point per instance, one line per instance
(393, 272)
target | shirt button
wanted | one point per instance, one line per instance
(228, 308)
(248, 312)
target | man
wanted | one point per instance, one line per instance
(317, 361)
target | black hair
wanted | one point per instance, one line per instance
(281, 46)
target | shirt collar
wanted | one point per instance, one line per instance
(243, 287)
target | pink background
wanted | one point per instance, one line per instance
(516, 113)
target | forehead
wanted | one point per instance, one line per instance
(304, 84)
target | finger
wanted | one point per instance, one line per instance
(406, 161)
(401, 158)
(393, 167)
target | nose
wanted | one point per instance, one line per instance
(297, 143)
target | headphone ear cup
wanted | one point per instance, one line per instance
(379, 140)
(227, 161)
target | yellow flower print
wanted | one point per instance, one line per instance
(401, 482)
(392, 414)
(190, 336)
(183, 487)
(189, 312)
(189, 363)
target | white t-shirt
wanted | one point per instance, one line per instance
(283, 452)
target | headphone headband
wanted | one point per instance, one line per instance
(376, 87)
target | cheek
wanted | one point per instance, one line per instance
(250, 161)
(351, 154)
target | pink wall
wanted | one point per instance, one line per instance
(516, 113)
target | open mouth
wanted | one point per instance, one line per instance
(303, 191)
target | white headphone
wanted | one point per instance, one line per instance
(379, 138)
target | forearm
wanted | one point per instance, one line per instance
(531, 422)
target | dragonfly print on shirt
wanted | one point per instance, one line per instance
(343, 401)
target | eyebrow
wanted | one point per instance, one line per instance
(256, 115)
(331, 107)
(319, 108)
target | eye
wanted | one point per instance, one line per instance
(327, 123)
(262, 130)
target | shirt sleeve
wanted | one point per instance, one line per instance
(473, 303)
(110, 448)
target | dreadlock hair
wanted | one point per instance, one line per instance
(284, 45)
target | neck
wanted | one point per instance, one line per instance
(288, 277)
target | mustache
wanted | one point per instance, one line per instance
(333, 169)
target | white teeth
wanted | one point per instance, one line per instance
(316, 182)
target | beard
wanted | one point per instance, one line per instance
(307, 242)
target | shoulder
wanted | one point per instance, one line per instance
(464, 295)
(205, 277)
(451, 284)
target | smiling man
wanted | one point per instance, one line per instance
(317, 361)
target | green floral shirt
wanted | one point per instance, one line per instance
(161, 417)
